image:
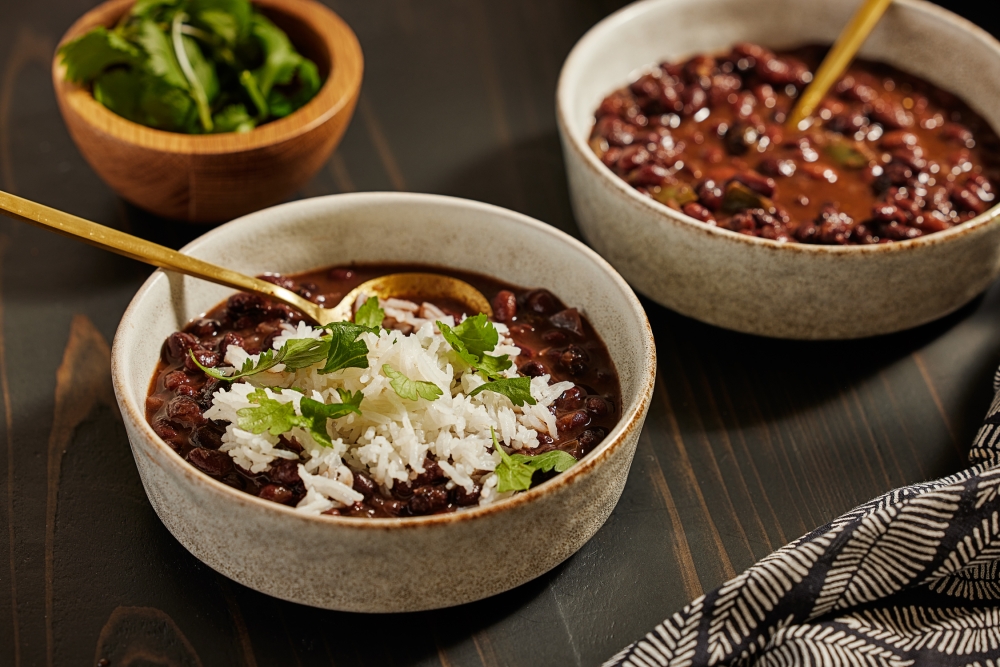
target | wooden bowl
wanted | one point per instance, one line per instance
(216, 177)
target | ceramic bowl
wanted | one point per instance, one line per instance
(383, 565)
(757, 285)
(216, 177)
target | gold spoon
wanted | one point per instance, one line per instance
(426, 285)
(837, 60)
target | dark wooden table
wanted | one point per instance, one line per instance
(749, 442)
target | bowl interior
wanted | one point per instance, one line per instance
(386, 227)
(913, 36)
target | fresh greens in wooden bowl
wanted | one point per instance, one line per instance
(193, 66)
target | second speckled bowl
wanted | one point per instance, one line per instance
(756, 285)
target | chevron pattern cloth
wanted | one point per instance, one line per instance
(909, 578)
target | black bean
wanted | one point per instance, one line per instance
(208, 436)
(532, 369)
(574, 359)
(591, 438)
(209, 461)
(432, 474)
(504, 306)
(285, 471)
(174, 379)
(571, 399)
(340, 274)
(572, 420)
(464, 498)
(427, 499)
(185, 411)
(203, 327)
(207, 358)
(243, 304)
(541, 301)
(598, 406)
(568, 319)
(364, 485)
(176, 347)
(276, 493)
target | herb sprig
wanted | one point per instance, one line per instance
(277, 418)
(193, 66)
(514, 472)
(471, 340)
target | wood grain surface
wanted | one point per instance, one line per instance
(749, 442)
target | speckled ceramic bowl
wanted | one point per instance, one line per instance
(757, 285)
(386, 565)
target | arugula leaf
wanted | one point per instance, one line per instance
(555, 459)
(518, 390)
(411, 389)
(271, 416)
(295, 354)
(514, 472)
(233, 118)
(345, 350)
(512, 475)
(89, 55)
(149, 8)
(166, 107)
(194, 82)
(315, 414)
(369, 314)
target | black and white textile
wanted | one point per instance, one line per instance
(909, 578)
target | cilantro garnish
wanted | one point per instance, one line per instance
(295, 354)
(276, 417)
(471, 340)
(518, 390)
(344, 349)
(340, 348)
(369, 314)
(410, 389)
(514, 471)
(193, 66)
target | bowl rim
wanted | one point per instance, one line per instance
(614, 441)
(610, 24)
(337, 92)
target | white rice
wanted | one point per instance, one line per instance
(392, 437)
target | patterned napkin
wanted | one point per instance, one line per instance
(909, 578)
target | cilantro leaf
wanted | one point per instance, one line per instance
(555, 459)
(472, 339)
(280, 58)
(457, 344)
(315, 414)
(512, 475)
(518, 390)
(514, 472)
(118, 89)
(477, 334)
(490, 367)
(228, 19)
(299, 353)
(295, 354)
(233, 118)
(345, 350)
(162, 62)
(89, 55)
(411, 389)
(369, 314)
(270, 415)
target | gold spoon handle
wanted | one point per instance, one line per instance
(837, 60)
(145, 251)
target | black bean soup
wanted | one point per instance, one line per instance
(888, 157)
(553, 339)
